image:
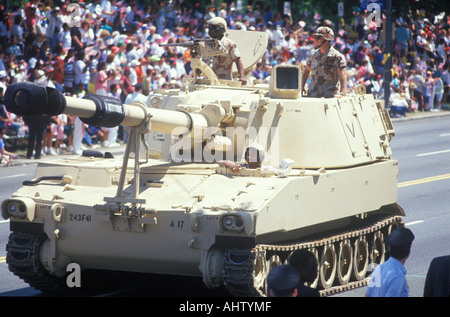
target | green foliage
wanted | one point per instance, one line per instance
(13, 3)
(402, 8)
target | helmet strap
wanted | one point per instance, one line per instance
(322, 43)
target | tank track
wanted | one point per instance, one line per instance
(22, 256)
(241, 265)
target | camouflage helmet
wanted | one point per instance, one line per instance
(325, 32)
(219, 23)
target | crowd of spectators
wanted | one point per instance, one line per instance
(112, 47)
(420, 60)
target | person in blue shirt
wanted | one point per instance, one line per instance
(402, 38)
(388, 279)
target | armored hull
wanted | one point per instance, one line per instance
(186, 209)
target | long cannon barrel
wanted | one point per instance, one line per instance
(183, 44)
(29, 99)
(191, 42)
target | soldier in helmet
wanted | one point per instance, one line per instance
(388, 279)
(327, 67)
(222, 63)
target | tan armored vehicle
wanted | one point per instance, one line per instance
(326, 182)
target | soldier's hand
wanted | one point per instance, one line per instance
(243, 80)
(234, 167)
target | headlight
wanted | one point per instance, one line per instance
(16, 209)
(21, 208)
(233, 223)
(11, 207)
(228, 222)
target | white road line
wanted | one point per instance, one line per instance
(4, 221)
(412, 223)
(444, 134)
(118, 292)
(433, 153)
(12, 176)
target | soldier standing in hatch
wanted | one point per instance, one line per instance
(222, 63)
(327, 67)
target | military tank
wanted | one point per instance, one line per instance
(326, 182)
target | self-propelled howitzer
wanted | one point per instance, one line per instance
(327, 183)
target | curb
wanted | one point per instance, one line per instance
(429, 115)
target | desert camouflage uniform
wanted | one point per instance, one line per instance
(225, 54)
(324, 73)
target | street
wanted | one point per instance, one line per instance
(421, 146)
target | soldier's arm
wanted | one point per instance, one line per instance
(236, 57)
(305, 76)
(240, 67)
(343, 79)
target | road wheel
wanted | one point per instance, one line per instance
(378, 249)
(316, 254)
(327, 268)
(344, 262)
(260, 272)
(360, 258)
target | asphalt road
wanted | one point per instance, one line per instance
(422, 147)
